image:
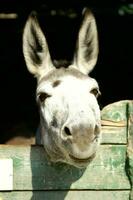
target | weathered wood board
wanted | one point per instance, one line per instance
(66, 195)
(6, 174)
(130, 147)
(32, 171)
(122, 113)
(109, 176)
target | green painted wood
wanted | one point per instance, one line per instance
(114, 122)
(66, 195)
(32, 171)
(130, 146)
(116, 112)
(113, 134)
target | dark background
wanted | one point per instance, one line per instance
(60, 21)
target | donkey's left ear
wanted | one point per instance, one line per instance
(86, 53)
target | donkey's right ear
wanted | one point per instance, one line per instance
(35, 48)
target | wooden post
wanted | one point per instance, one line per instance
(130, 146)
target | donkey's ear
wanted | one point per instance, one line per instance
(35, 48)
(86, 53)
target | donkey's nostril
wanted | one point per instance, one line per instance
(67, 131)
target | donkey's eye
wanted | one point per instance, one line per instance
(43, 96)
(95, 91)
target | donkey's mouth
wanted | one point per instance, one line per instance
(82, 160)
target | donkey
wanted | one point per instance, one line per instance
(70, 127)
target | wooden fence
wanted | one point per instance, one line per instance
(26, 174)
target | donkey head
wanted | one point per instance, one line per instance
(67, 97)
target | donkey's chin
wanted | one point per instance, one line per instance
(72, 160)
(79, 160)
(81, 163)
(82, 160)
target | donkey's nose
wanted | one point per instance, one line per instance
(66, 133)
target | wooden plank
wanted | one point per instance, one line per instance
(114, 122)
(67, 195)
(116, 112)
(130, 146)
(6, 174)
(8, 15)
(32, 171)
(115, 135)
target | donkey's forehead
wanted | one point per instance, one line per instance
(57, 75)
(61, 73)
(66, 78)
